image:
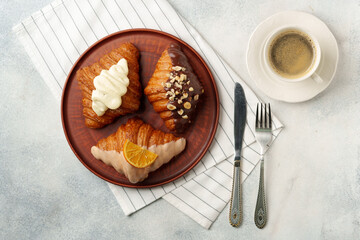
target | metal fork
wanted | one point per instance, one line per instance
(263, 135)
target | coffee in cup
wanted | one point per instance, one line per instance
(292, 55)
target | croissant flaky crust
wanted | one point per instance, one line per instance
(138, 132)
(110, 149)
(130, 101)
(174, 89)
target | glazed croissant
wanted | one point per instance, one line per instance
(110, 149)
(130, 101)
(174, 90)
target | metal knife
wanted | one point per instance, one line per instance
(235, 213)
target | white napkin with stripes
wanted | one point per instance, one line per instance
(54, 38)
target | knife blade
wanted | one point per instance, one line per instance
(235, 213)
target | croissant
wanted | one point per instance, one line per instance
(130, 101)
(174, 89)
(110, 149)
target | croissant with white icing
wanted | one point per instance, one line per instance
(130, 101)
(110, 149)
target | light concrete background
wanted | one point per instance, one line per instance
(312, 171)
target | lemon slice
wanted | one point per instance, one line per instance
(137, 156)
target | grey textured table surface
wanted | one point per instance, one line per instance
(312, 172)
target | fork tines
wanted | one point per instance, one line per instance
(264, 121)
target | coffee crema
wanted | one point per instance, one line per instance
(291, 54)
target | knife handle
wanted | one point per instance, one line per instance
(260, 215)
(235, 213)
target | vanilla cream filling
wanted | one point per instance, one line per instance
(110, 86)
(115, 159)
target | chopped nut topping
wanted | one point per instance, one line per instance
(172, 98)
(188, 82)
(182, 77)
(172, 80)
(185, 95)
(177, 68)
(177, 92)
(187, 105)
(191, 89)
(167, 84)
(196, 97)
(180, 112)
(178, 85)
(185, 117)
(177, 78)
(183, 69)
(179, 101)
(171, 107)
(172, 90)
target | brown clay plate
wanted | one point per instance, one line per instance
(151, 44)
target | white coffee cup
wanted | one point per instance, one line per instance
(311, 73)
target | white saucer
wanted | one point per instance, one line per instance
(297, 91)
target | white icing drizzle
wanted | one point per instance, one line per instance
(110, 86)
(115, 159)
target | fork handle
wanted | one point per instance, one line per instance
(260, 216)
(235, 213)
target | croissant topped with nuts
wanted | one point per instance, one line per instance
(174, 90)
(130, 101)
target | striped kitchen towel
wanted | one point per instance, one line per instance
(55, 37)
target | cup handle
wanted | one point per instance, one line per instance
(317, 78)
